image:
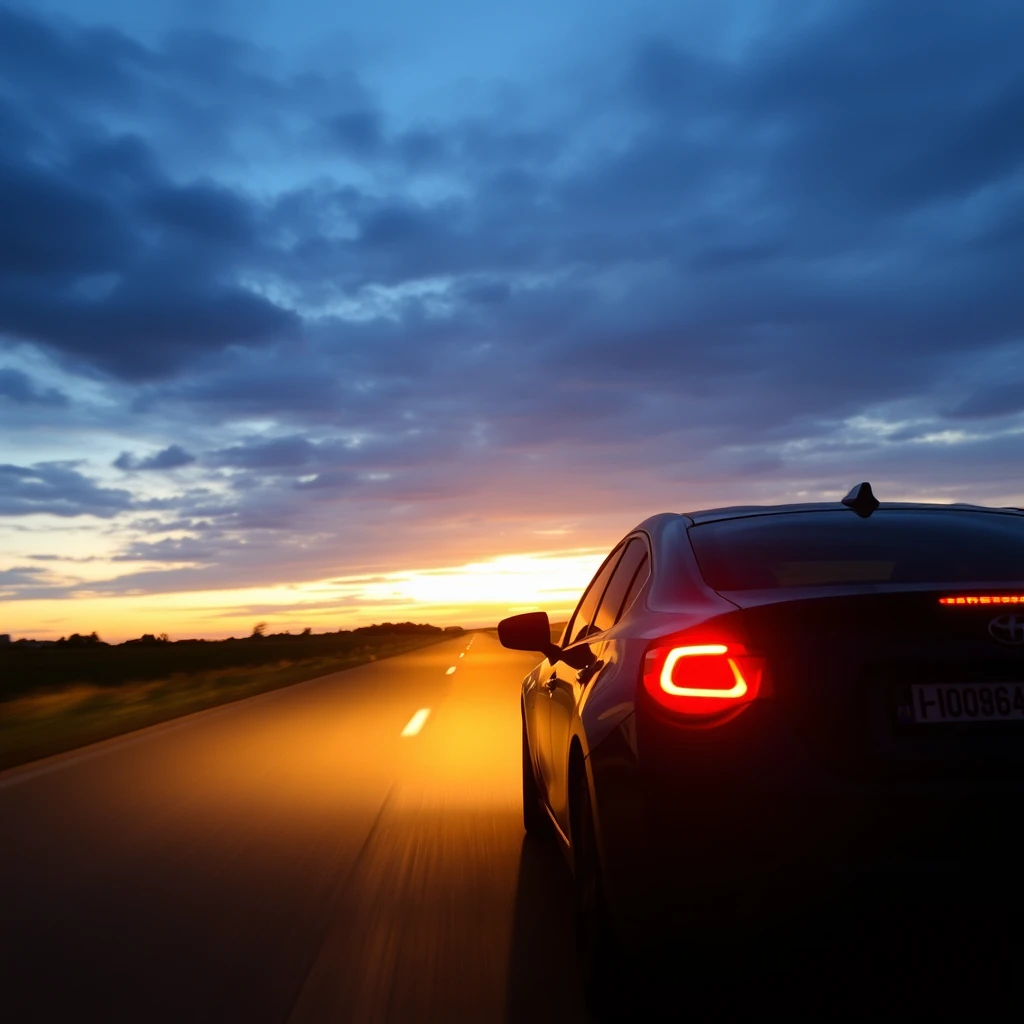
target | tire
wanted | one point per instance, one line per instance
(601, 967)
(535, 820)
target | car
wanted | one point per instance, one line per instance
(752, 705)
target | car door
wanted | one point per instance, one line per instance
(551, 672)
(536, 709)
(565, 683)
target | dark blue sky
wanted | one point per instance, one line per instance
(289, 291)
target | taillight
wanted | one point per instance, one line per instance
(702, 679)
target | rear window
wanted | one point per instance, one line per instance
(810, 549)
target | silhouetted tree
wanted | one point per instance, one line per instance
(149, 640)
(77, 640)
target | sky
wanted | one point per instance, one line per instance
(323, 314)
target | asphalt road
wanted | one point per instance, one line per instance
(292, 858)
(296, 858)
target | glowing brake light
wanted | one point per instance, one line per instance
(974, 599)
(702, 679)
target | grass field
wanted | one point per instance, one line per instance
(52, 700)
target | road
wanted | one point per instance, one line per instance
(292, 857)
(350, 849)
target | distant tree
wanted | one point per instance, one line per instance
(308, 631)
(77, 640)
(397, 629)
(259, 629)
(149, 640)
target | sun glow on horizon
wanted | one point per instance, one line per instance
(473, 594)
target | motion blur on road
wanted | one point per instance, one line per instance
(351, 849)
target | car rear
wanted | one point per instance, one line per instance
(881, 724)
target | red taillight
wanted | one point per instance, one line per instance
(702, 679)
(975, 599)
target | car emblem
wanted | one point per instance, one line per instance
(1007, 629)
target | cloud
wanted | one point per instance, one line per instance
(357, 131)
(205, 211)
(176, 549)
(52, 226)
(21, 575)
(280, 453)
(26, 583)
(172, 457)
(104, 258)
(57, 488)
(19, 388)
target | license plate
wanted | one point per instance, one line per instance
(939, 703)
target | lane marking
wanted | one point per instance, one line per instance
(32, 770)
(462, 654)
(450, 671)
(416, 722)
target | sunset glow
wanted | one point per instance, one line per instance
(476, 594)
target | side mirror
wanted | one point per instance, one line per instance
(528, 632)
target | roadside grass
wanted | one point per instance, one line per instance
(53, 719)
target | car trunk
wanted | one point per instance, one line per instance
(847, 670)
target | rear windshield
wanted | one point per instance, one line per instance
(811, 549)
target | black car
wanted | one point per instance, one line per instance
(751, 705)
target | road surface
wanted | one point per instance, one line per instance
(292, 857)
(348, 849)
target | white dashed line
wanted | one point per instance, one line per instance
(416, 722)
(450, 671)
(462, 654)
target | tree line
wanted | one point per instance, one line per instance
(259, 632)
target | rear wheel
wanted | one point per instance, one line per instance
(535, 820)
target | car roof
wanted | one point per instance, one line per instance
(712, 515)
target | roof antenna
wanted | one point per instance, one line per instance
(861, 500)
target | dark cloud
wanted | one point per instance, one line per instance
(1002, 399)
(172, 457)
(207, 212)
(179, 549)
(358, 132)
(143, 330)
(20, 388)
(903, 109)
(22, 583)
(94, 63)
(52, 226)
(57, 488)
(21, 575)
(102, 257)
(281, 453)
